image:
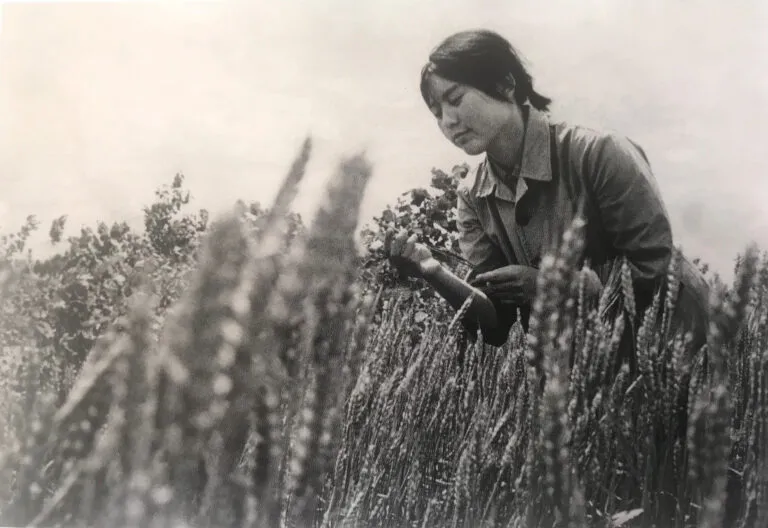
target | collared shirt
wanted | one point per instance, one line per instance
(605, 172)
(624, 209)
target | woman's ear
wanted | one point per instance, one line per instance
(508, 88)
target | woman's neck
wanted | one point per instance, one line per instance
(507, 148)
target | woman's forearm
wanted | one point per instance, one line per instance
(456, 291)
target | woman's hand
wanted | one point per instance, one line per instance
(516, 284)
(409, 255)
(511, 284)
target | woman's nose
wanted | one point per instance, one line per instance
(450, 119)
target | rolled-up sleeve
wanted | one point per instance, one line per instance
(631, 209)
(479, 249)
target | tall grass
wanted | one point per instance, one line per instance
(281, 393)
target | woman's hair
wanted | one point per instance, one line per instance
(484, 60)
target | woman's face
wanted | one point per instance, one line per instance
(468, 117)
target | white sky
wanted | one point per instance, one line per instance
(101, 102)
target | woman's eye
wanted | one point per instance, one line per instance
(456, 100)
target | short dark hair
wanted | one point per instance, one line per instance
(484, 60)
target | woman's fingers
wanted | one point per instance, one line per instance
(500, 274)
(483, 278)
(501, 287)
(410, 244)
(398, 243)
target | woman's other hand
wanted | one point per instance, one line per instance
(409, 255)
(511, 284)
(516, 284)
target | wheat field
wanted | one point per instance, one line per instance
(280, 390)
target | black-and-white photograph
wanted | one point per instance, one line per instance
(383, 264)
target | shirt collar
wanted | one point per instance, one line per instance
(535, 164)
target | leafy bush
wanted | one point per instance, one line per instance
(431, 214)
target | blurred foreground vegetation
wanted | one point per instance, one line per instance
(253, 371)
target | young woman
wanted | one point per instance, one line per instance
(534, 174)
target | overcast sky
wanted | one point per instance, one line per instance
(101, 103)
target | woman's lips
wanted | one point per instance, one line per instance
(460, 135)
